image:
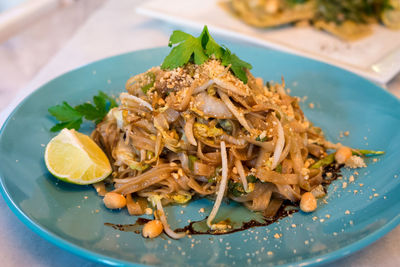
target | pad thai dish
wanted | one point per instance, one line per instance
(349, 20)
(209, 128)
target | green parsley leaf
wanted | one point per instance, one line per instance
(210, 45)
(76, 124)
(64, 112)
(197, 50)
(147, 87)
(188, 48)
(238, 66)
(72, 118)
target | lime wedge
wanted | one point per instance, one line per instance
(75, 158)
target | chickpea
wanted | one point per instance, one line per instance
(308, 203)
(152, 229)
(114, 200)
(343, 154)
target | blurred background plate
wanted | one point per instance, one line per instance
(376, 57)
(73, 217)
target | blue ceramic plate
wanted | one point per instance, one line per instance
(73, 217)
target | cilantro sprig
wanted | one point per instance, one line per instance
(187, 48)
(72, 117)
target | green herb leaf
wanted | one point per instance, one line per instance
(76, 124)
(210, 45)
(192, 159)
(72, 118)
(251, 178)
(238, 66)
(152, 77)
(197, 50)
(261, 139)
(188, 47)
(64, 112)
(324, 161)
(236, 189)
(279, 168)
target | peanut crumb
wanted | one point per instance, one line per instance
(344, 185)
(148, 211)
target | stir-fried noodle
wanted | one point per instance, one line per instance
(199, 130)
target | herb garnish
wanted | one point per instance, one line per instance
(188, 48)
(72, 117)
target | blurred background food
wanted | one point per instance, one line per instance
(347, 19)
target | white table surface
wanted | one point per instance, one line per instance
(115, 29)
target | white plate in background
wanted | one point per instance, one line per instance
(376, 57)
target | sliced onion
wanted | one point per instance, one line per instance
(136, 99)
(211, 106)
(189, 131)
(171, 115)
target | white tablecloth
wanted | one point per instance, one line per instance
(113, 29)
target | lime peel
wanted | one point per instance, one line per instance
(75, 158)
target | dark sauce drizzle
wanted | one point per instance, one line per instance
(285, 210)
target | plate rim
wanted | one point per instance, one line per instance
(101, 258)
